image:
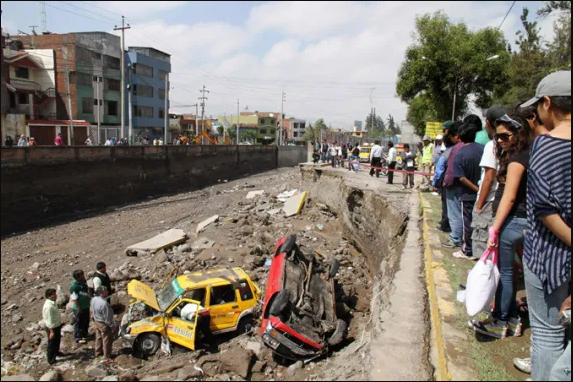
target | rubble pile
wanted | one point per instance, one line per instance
(241, 232)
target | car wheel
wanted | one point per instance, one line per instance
(246, 325)
(280, 303)
(339, 334)
(334, 268)
(148, 344)
(288, 246)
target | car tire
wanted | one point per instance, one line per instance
(280, 303)
(246, 325)
(147, 344)
(334, 268)
(288, 246)
(339, 334)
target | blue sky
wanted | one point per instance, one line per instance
(329, 57)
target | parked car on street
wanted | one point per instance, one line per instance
(299, 314)
(229, 296)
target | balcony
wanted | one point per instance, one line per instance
(23, 84)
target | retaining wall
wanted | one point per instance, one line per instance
(41, 185)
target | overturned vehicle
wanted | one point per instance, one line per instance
(299, 315)
(225, 298)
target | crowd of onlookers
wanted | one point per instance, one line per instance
(508, 189)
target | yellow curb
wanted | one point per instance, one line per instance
(439, 345)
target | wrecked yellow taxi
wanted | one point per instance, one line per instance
(228, 296)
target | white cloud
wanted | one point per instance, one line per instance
(139, 9)
(328, 56)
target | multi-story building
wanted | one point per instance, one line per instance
(295, 129)
(267, 125)
(87, 81)
(148, 70)
(4, 77)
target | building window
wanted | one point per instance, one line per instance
(23, 98)
(83, 54)
(23, 72)
(143, 70)
(142, 111)
(161, 93)
(112, 84)
(295, 134)
(143, 91)
(111, 108)
(262, 121)
(273, 132)
(161, 113)
(162, 75)
(88, 105)
(263, 131)
(111, 62)
(83, 79)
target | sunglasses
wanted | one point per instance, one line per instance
(505, 137)
(507, 119)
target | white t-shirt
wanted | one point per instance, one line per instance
(489, 160)
(333, 151)
(188, 312)
(392, 155)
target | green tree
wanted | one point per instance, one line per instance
(312, 133)
(446, 59)
(393, 127)
(249, 135)
(528, 65)
(375, 123)
(220, 129)
(560, 48)
(421, 110)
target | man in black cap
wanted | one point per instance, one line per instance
(483, 211)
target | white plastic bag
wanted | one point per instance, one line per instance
(482, 283)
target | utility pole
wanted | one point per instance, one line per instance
(98, 112)
(203, 99)
(238, 119)
(122, 64)
(455, 99)
(44, 17)
(283, 99)
(165, 111)
(69, 91)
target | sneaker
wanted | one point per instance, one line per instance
(523, 365)
(81, 341)
(490, 327)
(515, 328)
(435, 194)
(449, 244)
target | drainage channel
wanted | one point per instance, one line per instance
(384, 227)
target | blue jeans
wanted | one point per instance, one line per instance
(562, 369)
(455, 216)
(548, 336)
(511, 237)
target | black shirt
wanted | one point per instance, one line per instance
(520, 207)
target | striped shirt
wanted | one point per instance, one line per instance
(548, 193)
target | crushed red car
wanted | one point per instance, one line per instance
(299, 315)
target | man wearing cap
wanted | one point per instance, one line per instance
(428, 159)
(483, 211)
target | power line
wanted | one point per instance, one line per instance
(505, 18)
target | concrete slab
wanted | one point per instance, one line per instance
(204, 224)
(254, 194)
(285, 196)
(22, 377)
(164, 240)
(294, 204)
(274, 212)
(203, 243)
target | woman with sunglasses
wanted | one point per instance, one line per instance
(547, 250)
(507, 234)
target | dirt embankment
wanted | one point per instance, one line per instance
(350, 220)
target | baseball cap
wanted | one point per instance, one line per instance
(427, 138)
(447, 125)
(557, 84)
(495, 112)
(439, 137)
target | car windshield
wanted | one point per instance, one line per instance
(366, 150)
(169, 294)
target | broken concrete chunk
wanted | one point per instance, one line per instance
(96, 372)
(21, 377)
(203, 243)
(204, 224)
(294, 205)
(254, 194)
(164, 240)
(274, 212)
(286, 195)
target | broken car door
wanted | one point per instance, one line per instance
(179, 330)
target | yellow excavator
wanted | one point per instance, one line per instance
(200, 137)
